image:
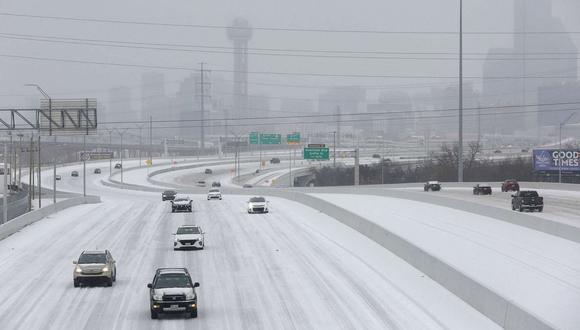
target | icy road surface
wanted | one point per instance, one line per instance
(537, 271)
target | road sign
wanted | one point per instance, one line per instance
(271, 138)
(293, 138)
(92, 155)
(316, 153)
(316, 145)
(254, 138)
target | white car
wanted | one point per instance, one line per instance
(188, 237)
(214, 194)
(181, 203)
(257, 205)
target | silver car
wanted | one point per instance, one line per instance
(95, 266)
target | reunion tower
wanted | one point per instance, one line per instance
(240, 33)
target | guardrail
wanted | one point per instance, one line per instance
(24, 220)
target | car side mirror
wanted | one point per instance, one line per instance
(173, 234)
(196, 284)
(74, 262)
(150, 286)
(513, 195)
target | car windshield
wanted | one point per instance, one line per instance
(529, 194)
(188, 230)
(92, 258)
(172, 281)
(181, 199)
(257, 200)
(169, 192)
(214, 190)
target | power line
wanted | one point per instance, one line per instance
(158, 47)
(332, 121)
(364, 52)
(264, 28)
(297, 74)
(407, 112)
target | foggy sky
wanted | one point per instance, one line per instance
(83, 80)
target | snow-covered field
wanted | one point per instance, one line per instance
(536, 271)
(293, 268)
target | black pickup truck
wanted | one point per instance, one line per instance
(527, 199)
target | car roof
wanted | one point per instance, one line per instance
(172, 271)
(188, 226)
(177, 196)
(95, 252)
(433, 182)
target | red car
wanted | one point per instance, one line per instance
(510, 185)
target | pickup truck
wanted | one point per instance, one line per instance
(527, 199)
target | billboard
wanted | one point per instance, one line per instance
(553, 160)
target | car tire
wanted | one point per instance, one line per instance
(193, 313)
(115, 276)
(541, 209)
(110, 282)
(76, 283)
(521, 209)
(154, 315)
(172, 210)
(513, 207)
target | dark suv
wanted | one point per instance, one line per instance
(172, 291)
(432, 185)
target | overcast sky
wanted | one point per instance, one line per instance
(84, 80)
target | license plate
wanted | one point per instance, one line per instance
(174, 308)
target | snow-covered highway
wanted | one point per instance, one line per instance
(294, 268)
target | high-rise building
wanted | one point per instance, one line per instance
(153, 99)
(525, 70)
(119, 108)
(240, 34)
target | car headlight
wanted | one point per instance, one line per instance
(78, 270)
(157, 297)
(190, 296)
(105, 269)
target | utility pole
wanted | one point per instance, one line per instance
(30, 173)
(5, 187)
(460, 151)
(560, 147)
(84, 159)
(39, 175)
(337, 125)
(140, 142)
(334, 150)
(356, 167)
(110, 151)
(150, 141)
(291, 183)
(202, 103)
(20, 136)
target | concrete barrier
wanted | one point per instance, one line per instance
(24, 220)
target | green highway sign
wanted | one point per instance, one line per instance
(270, 138)
(254, 138)
(293, 138)
(317, 153)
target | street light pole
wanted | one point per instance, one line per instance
(334, 149)
(460, 132)
(560, 147)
